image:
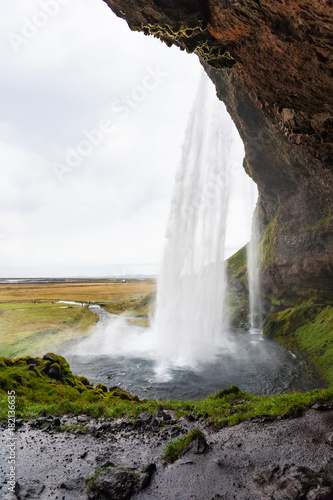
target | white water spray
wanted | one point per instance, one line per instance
(190, 321)
(254, 278)
(190, 327)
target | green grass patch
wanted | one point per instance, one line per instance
(72, 428)
(37, 330)
(238, 290)
(267, 246)
(307, 328)
(121, 306)
(237, 264)
(175, 448)
(142, 308)
(41, 384)
(90, 480)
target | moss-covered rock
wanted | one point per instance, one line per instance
(84, 380)
(306, 329)
(238, 289)
(102, 387)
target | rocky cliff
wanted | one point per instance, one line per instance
(272, 65)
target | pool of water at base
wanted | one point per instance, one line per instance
(258, 366)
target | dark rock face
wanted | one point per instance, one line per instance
(272, 65)
(113, 484)
(289, 481)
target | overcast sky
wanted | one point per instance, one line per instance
(92, 121)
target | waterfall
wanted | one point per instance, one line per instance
(190, 320)
(255, 315)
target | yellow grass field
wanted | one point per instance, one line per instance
(32, 323)
(92, 291)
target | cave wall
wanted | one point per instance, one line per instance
(272, 65)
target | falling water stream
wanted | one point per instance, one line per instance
(190, 350)
(254, 279)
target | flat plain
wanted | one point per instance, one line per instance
(32, 321)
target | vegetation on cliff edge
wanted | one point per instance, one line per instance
(307, 329)
(238, 292)
(48, 384)
(35, 330)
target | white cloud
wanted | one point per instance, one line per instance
(56, 88)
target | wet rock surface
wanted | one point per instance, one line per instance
(256, 460)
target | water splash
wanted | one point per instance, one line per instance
(254, 278)
(190, 321)
(190, 328)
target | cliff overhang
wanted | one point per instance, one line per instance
(272, 65)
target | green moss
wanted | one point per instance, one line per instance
(102, 387)
(227, 407)
(90, 480)
(267, 246)
(84, 381)
(175, 448)
(237, 263)
(72, 428)
(324, 222)
(237, 291)
(307, 328)
(232, 390)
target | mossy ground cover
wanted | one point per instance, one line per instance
(48, 384)
(308, 329)
(238, 290)
(175, 448)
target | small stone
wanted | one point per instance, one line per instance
(329, 438)
(145, 417)
(82, 419)
(48, 358)
(148, 473)
(30, 488)
(57, 422)
(322, 407)
(114, 484)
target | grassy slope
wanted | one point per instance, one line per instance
(307, 328)
(36, 391)
(31, 324)
(34, 331)
(238, 294)
(142, 308)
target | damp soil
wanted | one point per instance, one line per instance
(262, 459)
